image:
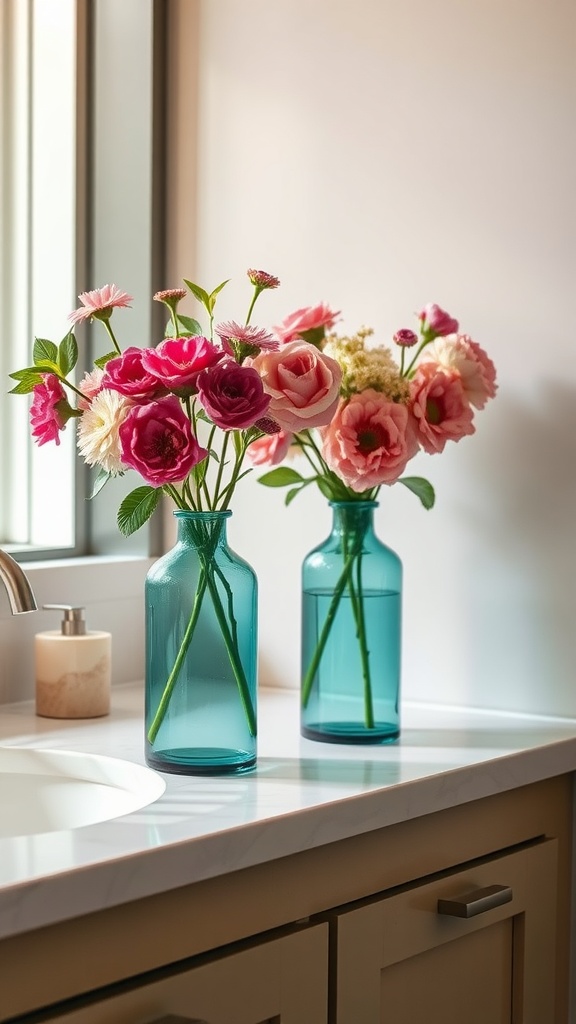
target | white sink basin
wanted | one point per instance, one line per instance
(51, 790)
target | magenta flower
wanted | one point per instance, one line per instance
(49, 410)
(304, 385)
(309, 323)
(232, 395)
(255, 337)
(261, 280)
(369, 441)
(127, 375)
(439, 407)
(100, 303)
(176, 362)
(435, 321)
(405, 337)
(156, 440)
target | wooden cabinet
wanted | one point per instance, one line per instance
(399, 959)
(345, 933)
(282, 980)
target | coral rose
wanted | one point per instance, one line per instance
(157, 441)
(271, 449)
(176, 362)
(315, 319)
(232, 395)
(303, 383)
(439, 407)
(478, 373)
(369, 441)
(127, 375)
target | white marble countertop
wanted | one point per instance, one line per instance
(301, 795)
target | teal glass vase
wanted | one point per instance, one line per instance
(201, 653)
(351, 633)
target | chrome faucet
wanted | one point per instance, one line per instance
(17, 585)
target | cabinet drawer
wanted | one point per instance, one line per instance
(400, 960)
(284, 980)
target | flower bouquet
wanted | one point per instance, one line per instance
(388, 410)
(183, 415)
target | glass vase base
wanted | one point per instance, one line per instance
(204, 761)
(350, 732)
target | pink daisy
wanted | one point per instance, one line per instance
(257, 336)
(169, 294)
(261, 279)
(99, 303)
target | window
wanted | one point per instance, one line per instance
(38, 175)
(81, 122)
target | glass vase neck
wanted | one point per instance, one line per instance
(199, 528)
(353, 515)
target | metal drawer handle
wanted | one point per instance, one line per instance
(478, 901)
(175, 1019)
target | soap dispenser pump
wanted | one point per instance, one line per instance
(72, 668)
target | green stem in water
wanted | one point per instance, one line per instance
(308, 680)
(173, 677)
(364, 653)
(206, 581)
(235, 662)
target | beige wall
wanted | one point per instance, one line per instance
(379, 155)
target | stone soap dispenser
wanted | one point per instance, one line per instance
(72, 668)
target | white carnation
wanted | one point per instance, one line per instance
(98, 437)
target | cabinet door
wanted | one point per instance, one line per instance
(400, 961)
(282, 981)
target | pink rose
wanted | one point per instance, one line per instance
(435, 321)
(478, 373)
(271, 449)
(315, 319)
(49, 410)
(369, 441)
(303, 383)
(439, 407)
(232, 395)
(176, 362)
(156, 440)
(126, 375)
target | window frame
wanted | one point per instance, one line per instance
(119, 227)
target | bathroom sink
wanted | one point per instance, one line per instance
(51, 790)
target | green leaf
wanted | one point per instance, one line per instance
(191, 327)
(102, 360)
(67, 354)
(421, 488)
(282, 476)
(213, 294)
(201, 414)
(102, 478)
(325, 488)
(291, 494)
(169, 330)
(199, 293)
(199, 472)
(137, 508)
(44, 350)
(27, 381)
(46, 366)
